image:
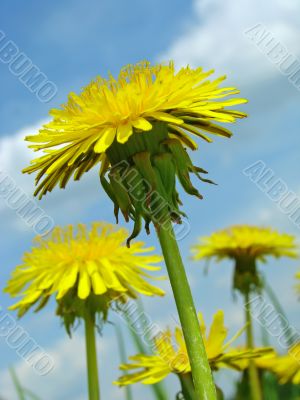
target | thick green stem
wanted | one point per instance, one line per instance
(202, 376)
(254, 381)
(91, 355)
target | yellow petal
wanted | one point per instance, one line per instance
(110, 277)
(61, 160)
(84, 287)
(124, 132)
(98, 284)
(68, 280)
(217, 334)
(142, 124)
(106, 139)
(162, 116)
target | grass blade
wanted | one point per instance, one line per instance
(17, 384)
(288, 332)
(22, 392)
(123, 358)
(158, 388)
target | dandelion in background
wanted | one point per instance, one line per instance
(88, 272)
(135, 129)
(286, 367)
(246, 245)
(171, 356)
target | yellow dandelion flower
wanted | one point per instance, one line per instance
(262, 362)
(81, 266)
(112, 109)
(286, 367)
(242, 240)
(245, 244)
(171, 354)
(115, 122)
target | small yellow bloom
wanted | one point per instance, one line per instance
(81, 266)
(251, 241)
(286, 367)
(171, 354)
(112, 110)
(245, 244)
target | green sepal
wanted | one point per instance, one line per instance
(186, 183)
(184, 166)
(108, 189)
(136, 229)
(181, 156)
(147, 225)
(161, 188)
(167, 171)
(72, 309)
(120, 193)
(138, 190)
(246, 277)
(143, 163)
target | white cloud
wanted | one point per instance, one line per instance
(77, 198)
(216, 38)
(67, 379)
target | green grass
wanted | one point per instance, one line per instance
(158, 389)
(22, 392)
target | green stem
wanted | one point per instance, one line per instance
(91, 355)
(187, 386)
(202, 376)
(255, 387)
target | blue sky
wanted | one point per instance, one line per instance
(73, 41)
